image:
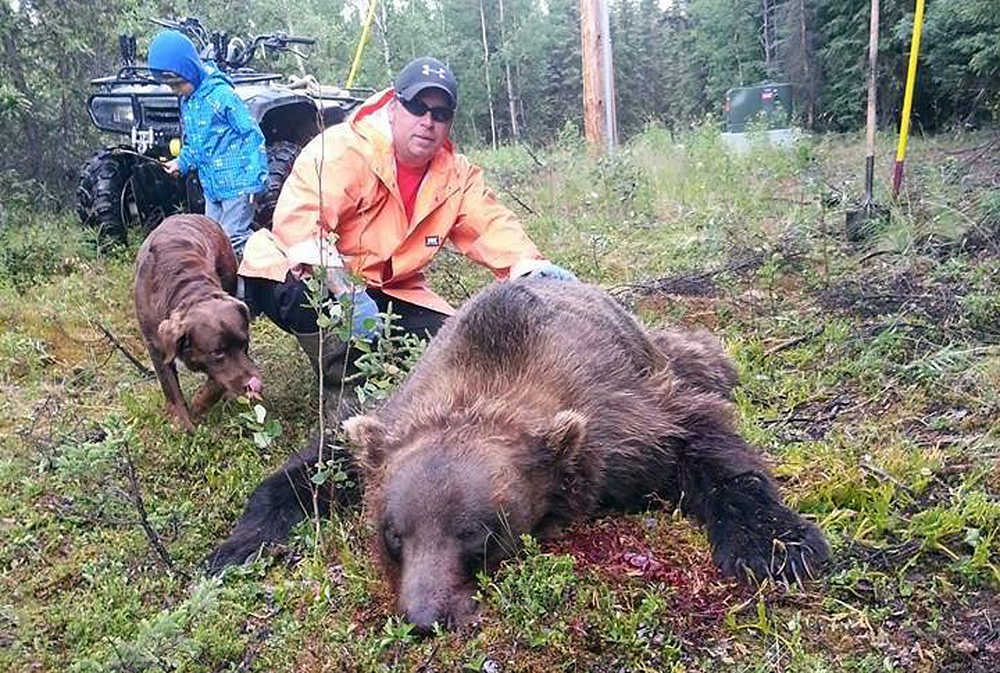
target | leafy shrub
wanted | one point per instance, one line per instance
(380, 369)
(34, 248)
(535, 594)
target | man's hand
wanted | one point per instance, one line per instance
(301, 271)
(364, 315)
(550, 270)
(171, 167)
(357, 303)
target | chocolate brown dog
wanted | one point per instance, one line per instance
(185, 276)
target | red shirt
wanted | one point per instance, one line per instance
(409, 183)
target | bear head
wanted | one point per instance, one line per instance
(451, 500)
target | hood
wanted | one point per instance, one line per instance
(173, 51)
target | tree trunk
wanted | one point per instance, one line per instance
(521, 112)
(383, 26)
(807, 76)
(768, 36)
(511, 97)
(486, 67)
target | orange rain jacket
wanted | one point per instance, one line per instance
(353, 166)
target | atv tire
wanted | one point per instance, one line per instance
(280, 159)
(105, 199)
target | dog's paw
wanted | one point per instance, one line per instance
(179, 417)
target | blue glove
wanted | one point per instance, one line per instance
(550, 270)
(363, 311)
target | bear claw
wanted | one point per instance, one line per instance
(753, 553)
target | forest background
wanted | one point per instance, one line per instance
(674, 60)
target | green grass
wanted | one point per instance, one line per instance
(869, 376)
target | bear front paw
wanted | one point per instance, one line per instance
(773, 543)
(755, 537)
(234, 551)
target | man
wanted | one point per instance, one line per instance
(390, 187)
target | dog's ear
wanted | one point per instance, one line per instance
(244, 309)
(171, 331)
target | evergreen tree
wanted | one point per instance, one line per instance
(961, 61)
(726, 43)
(673, 62)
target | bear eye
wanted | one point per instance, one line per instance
(469, 534)
(393, 542)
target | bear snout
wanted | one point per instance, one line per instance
(448, 612)
(252, 388)
(435, 592)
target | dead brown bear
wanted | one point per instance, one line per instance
(539, 403)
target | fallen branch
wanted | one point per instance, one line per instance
(145, 371)
(540, 163)
(135, 495)
(782, 199)
(882, 474)
(975, 148)
(877, 253)
(516, 198)
(698, 281)
(832, 409)
(792, 343)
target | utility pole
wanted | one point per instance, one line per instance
(600, 120)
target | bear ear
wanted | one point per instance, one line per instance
(171, 331)
(367, 433)
(567, 432)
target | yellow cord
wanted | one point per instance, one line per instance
(361, 43)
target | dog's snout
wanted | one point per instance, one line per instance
(253, 386)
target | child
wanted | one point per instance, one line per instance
(221, 140)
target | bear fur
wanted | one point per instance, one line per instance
(539, 403)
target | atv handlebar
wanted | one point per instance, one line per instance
(189, 25)
(295, 39)
(216, 47)
(270, 41)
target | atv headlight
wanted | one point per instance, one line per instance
(112, 114)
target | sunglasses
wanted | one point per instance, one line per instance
(418, 108)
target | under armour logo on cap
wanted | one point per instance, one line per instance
(426, 73)
(441, 72)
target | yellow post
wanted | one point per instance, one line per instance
(911, 76)
(361, 43)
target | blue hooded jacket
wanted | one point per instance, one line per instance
(221, 140)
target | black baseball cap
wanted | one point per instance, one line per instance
(426, 72)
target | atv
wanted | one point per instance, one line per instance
(126, 185)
